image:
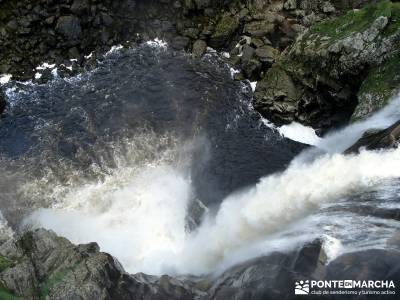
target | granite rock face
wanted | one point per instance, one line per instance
(41, 265)
(316, 80)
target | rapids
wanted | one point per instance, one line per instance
(162, 161)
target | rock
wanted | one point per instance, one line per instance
(276, 96)
(259, 28)
(374, 140)
(247, 53)
(224, 32)
(261, 278)
(381, 84)
(251, 69)
(366, 265)
(267, 54)
(271, 276)
(311, 259)
(69, 27)
(290, 4)
(42, 265)
(199, 48)
(79, 6)
(316, 80)
(180, 43)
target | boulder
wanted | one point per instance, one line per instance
(272, 276)
(41, 265)
(267, 54)
(225, 30)
(199, 48)
(316, 80)
(259, 28)
(377, 139)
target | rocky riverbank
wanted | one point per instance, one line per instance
(341, 65)
(41, 265)
(32, 32)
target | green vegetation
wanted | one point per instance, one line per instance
(226, 26)
(52, 281)
(359, 20)
(55, 279)
(5, 294)
(5, 263)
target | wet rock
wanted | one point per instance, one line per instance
(311, 259)
(271, 276)
(261, 278)
(199, 48)
(378, 139)
(366, 265)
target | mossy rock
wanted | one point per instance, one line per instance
(359, 20)
(225, 29)
(5, 263)
(382, 83)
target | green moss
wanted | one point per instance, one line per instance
(52, 281)
(360, 20)
(226, 26)
(380, 85)
(5, 263)
(5, 294)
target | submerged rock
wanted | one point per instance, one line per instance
(316, 80)
(378, 139)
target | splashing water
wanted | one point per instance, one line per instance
(143, 224)
(116, 160)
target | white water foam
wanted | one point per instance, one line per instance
(5, 78)
(142, 223)
(340, 140)
(300, 133)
